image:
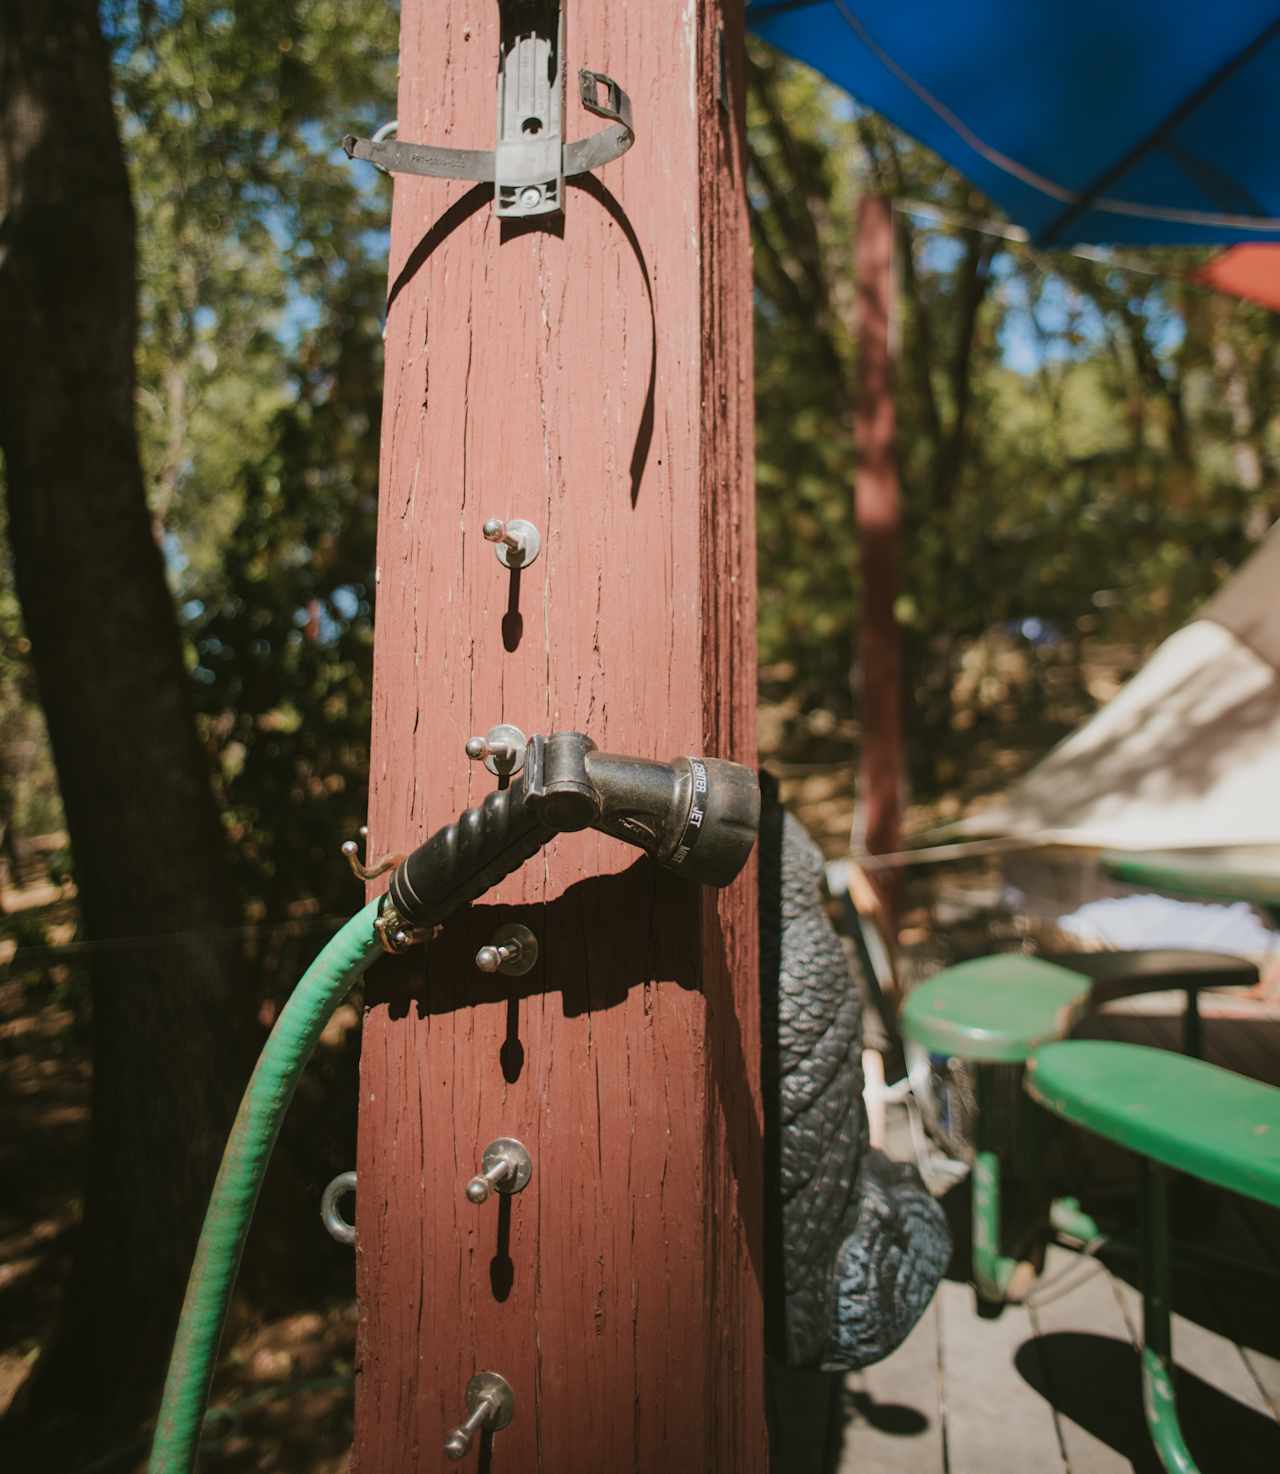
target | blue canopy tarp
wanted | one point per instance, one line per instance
(1145, 122)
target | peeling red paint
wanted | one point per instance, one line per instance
(598, 383)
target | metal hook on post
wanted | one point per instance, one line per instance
(388, 130)
(335, 1224)
(351, 850)
(517, 542)
(513, 951)
(531, 160)
(491, 1405)
(501, 749)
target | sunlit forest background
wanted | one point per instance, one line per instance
(1086, 441)
(1087, 446)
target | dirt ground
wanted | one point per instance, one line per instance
(283, 1397)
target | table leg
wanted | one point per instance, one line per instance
(991, 1269)
(1158, 1394)
(1193, 1025)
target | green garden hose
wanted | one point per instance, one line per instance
(695, 815)
(235, 1192)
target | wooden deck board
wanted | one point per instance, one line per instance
(894, 1410)
(1266, 1372)
(1227, 1419)
(1057, 1387)
(1098, 1419)
(993, 1416)
(1247, 1307)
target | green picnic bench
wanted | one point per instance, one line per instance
(999, 1010)
(1173, 1113)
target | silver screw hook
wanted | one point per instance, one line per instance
(513, 951)
(501, 749)
(505, 1167)
(503, 753)
(490, 1406)
(484, 1183)
(517, 543)
(351, 849)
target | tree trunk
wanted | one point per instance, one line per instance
(878, 513)
(109, 666)
(951, 450)
(1246, 442)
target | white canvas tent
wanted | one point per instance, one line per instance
(1186, 755)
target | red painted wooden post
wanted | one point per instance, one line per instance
(594, 377)
(878, 513)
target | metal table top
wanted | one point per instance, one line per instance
(1216, 875)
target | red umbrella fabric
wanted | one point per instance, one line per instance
(1252, 272)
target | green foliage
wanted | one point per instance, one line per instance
(284, 634)
(262, 265)
(249, 217)
(1084, 449)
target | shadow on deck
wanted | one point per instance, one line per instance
(1052, 1387)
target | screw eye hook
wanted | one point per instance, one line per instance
(351, 849)
(337, 1226)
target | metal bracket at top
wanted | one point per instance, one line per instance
(531, 161)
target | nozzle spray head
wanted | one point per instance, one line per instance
(697, 816)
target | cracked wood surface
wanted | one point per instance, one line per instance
(594, 377)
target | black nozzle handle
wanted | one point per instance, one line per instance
(697, 816)
(468, 857)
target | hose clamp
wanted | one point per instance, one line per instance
(394, 932)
